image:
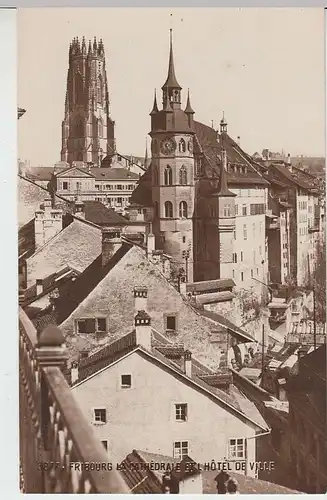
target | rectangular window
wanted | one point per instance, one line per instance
(235, 258)
(119, 201)
(244, 210)
(181, 412)
(105, 445)
(171, 323)
(251, 273)
(100, 415)
(119, 186)
(245, 233)
(91, 325)
(180, 449)
(65, 185)
(236, 209)
(242, 276)
(241, 256)
(236, 449)
(126, 381)
(234, 234)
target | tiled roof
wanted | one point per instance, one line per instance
(209, 286)
(117, 174)
(49, 283)
(96, 212)
(87, 281)
(44, 319)
(40, 173)
(207, 137)
(26, 239)
(77, 244)
(217, 318)
(297, 176)
(246, 484)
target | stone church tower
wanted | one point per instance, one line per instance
(87, 129)
(172, 170)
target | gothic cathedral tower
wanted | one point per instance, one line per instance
(87, 129)
(172, 169)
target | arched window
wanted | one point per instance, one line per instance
(99, 89)
(79, 89)
(227, 211)
(168, 210)
(155, 176)
(183, 210)
(182, 146)
(78, 127)
(168, 176)
(100, 128)
(183, 176)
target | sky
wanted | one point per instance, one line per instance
(263, 67)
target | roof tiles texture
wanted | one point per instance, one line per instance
(78, 244)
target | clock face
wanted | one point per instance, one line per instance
(190, 146)
(167, 146)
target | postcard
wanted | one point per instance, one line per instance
(172, 264)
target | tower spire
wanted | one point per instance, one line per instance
(222, 184)
(146, 159)
(171, 81)
(189, 108)
(155, 105)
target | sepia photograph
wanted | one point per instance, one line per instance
(171, 250)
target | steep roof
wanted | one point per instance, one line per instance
(235, 330)
(212, 148)
(77, 244)
(117, 174)
(99, 214)
(296, 177)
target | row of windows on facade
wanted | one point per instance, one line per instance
(181, 145)
(252, 272)
(80, 129)
(168, 176)
(303, 205)
(117, 201)
(255, 209)
(169, 210)
(65, 186)
(242, 256)
(100, 324)
(181, 449)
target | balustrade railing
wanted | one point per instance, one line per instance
(59, 452)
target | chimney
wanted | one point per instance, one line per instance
(301, 352)
(111, 242)
(74, 372)
(47, 203)
(140, 298)
(182, 287)
(39, 287)
(289, 163)
(143, 329)
(79, 209)
(188, 363)
(239, 141)
(150, 243)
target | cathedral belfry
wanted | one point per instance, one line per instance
(87, 129)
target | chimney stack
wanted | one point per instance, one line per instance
(188, 363)
(111, 242)
(74, 372)
(289, 162)
(39, 287)
(150, 243)
(182, 287)
(239, 141)
(140, 298)
(143, 329)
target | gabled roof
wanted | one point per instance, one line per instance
(77, 244)
(296, 177)
(123, 174)
(209, 286)
(126, 345)
(99, 214)
(49, 283)
(235, 330)
(212, 148)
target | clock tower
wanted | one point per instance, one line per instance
(172, 173)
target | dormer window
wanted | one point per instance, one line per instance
(182, 146)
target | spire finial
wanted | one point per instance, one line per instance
(146, 159)
(188, 108)
(171, 81)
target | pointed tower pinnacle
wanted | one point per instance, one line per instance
(155, 105)
(83, 45)
(89, 51)
(223, 124)
(222, 184)
(171, 81)
(189, 108)
(95, 46)
(146, 159)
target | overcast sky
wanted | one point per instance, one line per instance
(263, 67)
